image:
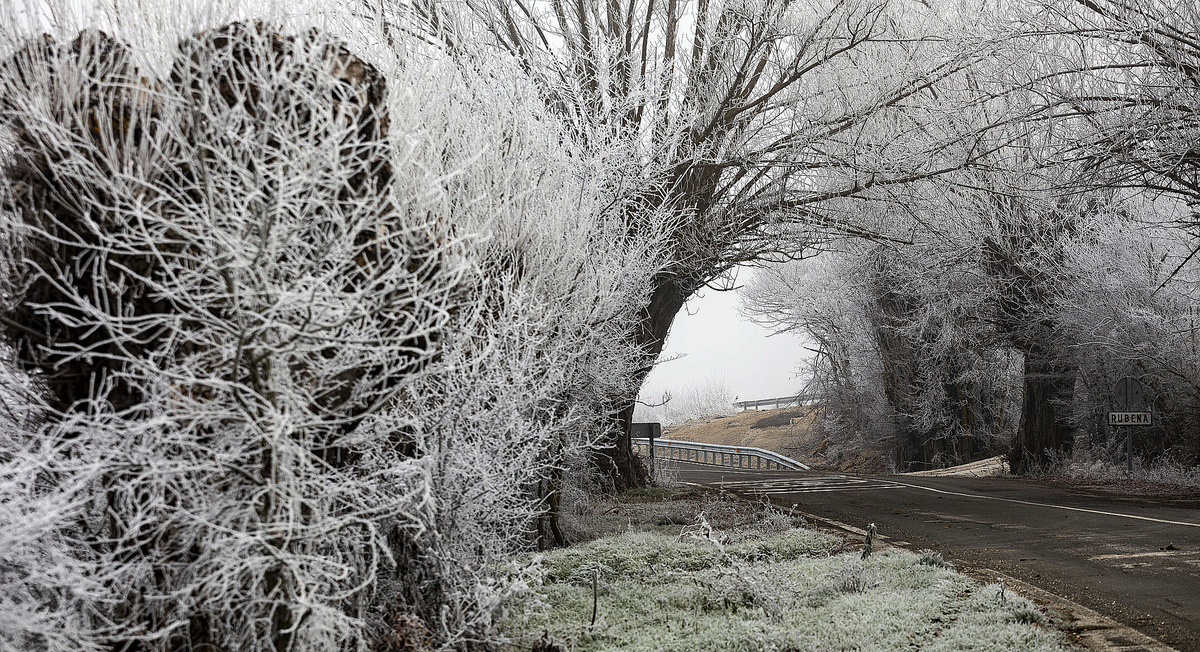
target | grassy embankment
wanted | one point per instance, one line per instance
(680, 572)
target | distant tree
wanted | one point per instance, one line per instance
(710, 398)
(824, 299)
(908, 356)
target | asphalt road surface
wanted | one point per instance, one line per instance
(1136, 561)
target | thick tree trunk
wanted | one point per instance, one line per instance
(1024, 307)
(549, 530)
(617, 460)
(1044, 427)
(624, 469)
(898, 357)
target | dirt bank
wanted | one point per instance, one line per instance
(787, 431)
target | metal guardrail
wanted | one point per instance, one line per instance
(775, 403)
(718, 455)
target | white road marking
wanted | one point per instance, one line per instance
(1027, 502)
(1130, 555)
(782, 486)
(828, 483)
(785, 492)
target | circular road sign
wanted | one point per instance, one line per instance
(1129, 394)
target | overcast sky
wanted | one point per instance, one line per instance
(722, 346)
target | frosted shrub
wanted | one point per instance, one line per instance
(533, 362)
(665, 474)
(1090, 462)
(225, 282)
(772, 521)
(38, 568)
(933, 558)
(699, 530)
(850, 578)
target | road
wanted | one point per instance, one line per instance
(1136, 561)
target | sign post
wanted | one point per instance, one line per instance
(1132, 410)
(650, 431)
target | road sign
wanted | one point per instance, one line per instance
(1131, 401)
(649, 431)
(1130, 419)
(645, 430)
(1129, 394)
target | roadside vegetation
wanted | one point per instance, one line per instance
(1163, 477)
(742, 577)
(314, 314)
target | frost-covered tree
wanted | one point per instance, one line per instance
(749, 125)
(1125, 308)
(1010, 321)
(823, 298)
(1121, 96)
(907, 357)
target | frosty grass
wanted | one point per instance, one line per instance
(789, 591)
